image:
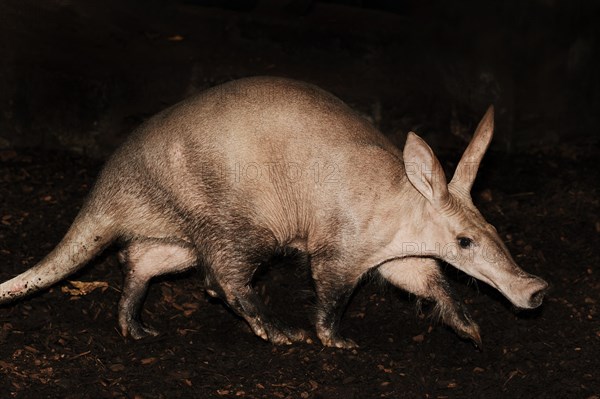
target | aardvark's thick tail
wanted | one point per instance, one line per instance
(89, 235)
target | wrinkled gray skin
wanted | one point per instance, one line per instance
(245, 169)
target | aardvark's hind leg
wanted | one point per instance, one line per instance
(231, 276)
(144, 259)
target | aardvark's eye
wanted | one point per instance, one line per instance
(465, 242)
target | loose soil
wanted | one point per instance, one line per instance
(60, 344)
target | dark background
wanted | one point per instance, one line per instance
(80, 74)
(77, 76)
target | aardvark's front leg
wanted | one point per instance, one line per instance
(423, 277)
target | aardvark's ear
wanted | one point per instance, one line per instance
(465, 173)
(424, 170)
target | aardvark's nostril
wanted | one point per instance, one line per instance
(537, 297)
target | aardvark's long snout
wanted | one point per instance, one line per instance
(527, 292)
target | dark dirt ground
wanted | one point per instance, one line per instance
(60, 345)
(80, 76)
